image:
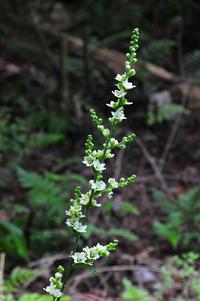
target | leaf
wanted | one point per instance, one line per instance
(93, 271)
(121, 232)
(45, 140)
(132, 293)
(19, 277)
(12, 239)
(168, 232)
(41, 190)
(128, 208)
(107, 207)
(160, 197)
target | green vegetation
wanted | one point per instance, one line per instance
(58, 59)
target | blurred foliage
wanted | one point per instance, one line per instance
(183, 217)
(42, 129)
(179, 281)
(131, 292)
(18, 280)
(167, 112)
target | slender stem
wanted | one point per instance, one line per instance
(69, 267)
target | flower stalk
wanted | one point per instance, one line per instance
(76, 215)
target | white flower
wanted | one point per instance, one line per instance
(52, 290)
(88, 160)
(79, 227)
(79, 257)
(95, 204)
(113, 183)
(127, 85)
(74, 210)
(106, 132)
(91, 253)
(126, 102)
(102, 250)
(113, 142)
(119, 77)
(84, 199)
(99, 185)
(119, 93)
(119, 115)
(111, 104)
(76, 225)
(58, 275)
(98, 153)
(98, 166)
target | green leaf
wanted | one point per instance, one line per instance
(12, 239)
(45, 140)
(128, 208)
(160, 197)
(132, 293)
(168, 232)
(19, 277)
(121, 232)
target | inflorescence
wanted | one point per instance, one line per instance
(96, 159)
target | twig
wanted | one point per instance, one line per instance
(173, 133)
(47, 261)
(64, 73)
(155, 168)
(119, 164)
(77, 279)
(2, 265)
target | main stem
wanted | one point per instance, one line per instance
(69, 266)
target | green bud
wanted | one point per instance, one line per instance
(61, 268)
(131, 72)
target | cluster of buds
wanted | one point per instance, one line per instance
(88, 255)
(55, 286)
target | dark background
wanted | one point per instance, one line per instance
(57, 60)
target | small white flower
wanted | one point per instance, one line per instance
(79, 227)
(99, 185)
(73, 210)
(119, 93)
(119, 77)
(98, 153)
(126, 102)
(79, 257)
(53, 291)
(112, 104)
(98, 166)
(113, 142)
(88, 160)
(58, 276)
(113, 183)
(91, 253)
(102, 250)
(106, 132)
(95, 204)
(119, 115)
(84, 199)
(127, 85)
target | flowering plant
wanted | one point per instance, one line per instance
(96, 159)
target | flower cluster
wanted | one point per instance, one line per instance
(88, 255)
(54, 289)
(96, 160)
(123, 84)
